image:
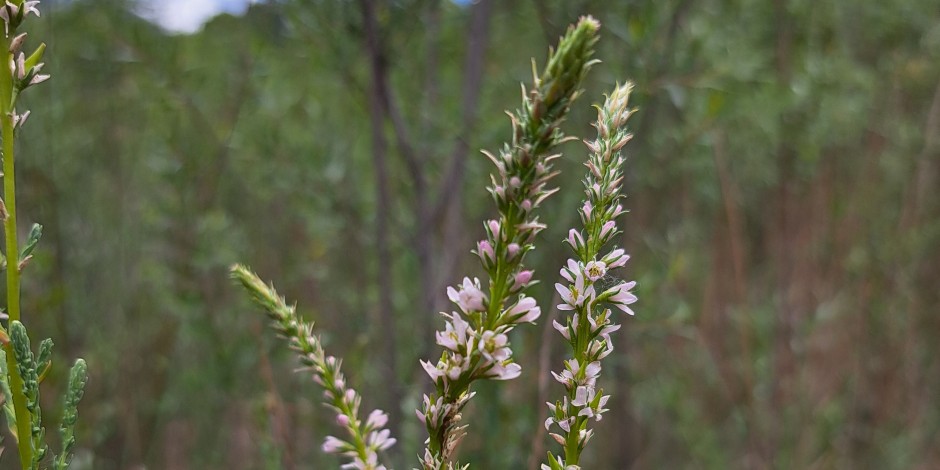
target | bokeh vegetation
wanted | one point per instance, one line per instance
(785, 230)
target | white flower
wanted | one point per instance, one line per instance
(433, 412)
(562, 329)
(583, 395)
(595, 270)
(591, 372)
(601, 349)
(493, 346)
(575, 295)
(566, 377)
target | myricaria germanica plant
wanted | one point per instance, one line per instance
(363, 439)
(475, 338)
(587, 293)
(21, 371)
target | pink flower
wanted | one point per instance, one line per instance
(470, 297)
(525, 311)
(455, 334)
(575, 295)
(380, 440)
(572, 269)
(575, 240)
(617, 211)
(493, 226)
(623, 297)
(485, 252)
(587, 210)
(507, 372)
(333, 445)
(377, 419)
(522, 279)
(607, 229)
(434, 371)
(616, 258)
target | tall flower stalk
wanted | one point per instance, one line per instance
(585, 292)
(23, 371)
(475, 338)
(364, 438)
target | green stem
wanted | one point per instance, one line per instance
(23, 424)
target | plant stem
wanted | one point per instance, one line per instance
(23, 424)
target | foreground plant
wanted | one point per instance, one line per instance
(584, 293)
(365, 438)
(475, 339)
(22, 371)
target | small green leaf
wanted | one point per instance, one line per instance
(35, 57)
(34, 235)
(44, 361)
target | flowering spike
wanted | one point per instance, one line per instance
(366, 438)
(478, 347)
(589, 327)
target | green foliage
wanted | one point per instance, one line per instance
(158, 160)
(26, 364)
(78, 377)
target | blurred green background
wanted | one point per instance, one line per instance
(784, 225)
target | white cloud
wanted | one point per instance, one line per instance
(187, 16)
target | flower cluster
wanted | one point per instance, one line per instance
(367, 438)
(24, 70)
(584, 291)
(475, 338)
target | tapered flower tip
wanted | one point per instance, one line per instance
(589, 23)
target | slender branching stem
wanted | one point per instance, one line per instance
(7, 98)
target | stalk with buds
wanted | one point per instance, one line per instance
(365, 438)
(475, 338)
(22, 371)
(585, 292)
